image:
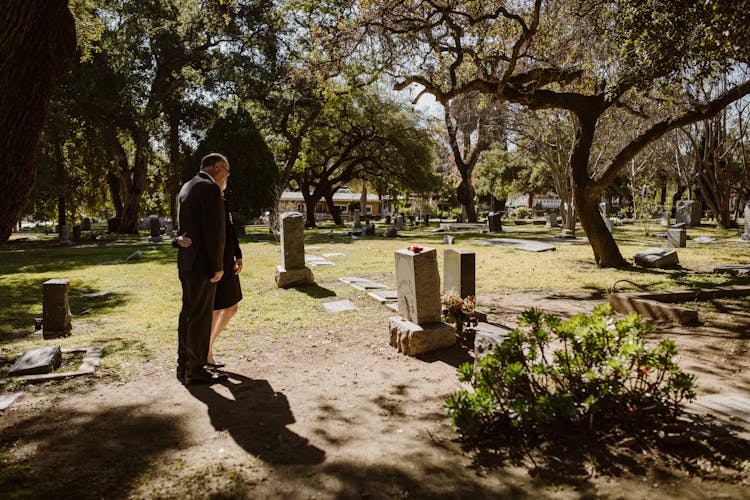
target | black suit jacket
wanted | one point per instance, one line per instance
(200, 216)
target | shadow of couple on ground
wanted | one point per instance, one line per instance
(256, 417)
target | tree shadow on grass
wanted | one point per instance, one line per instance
(700, 447)
(316, 291)
(257, 417)
(86, 453)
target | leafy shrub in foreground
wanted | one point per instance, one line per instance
(589, 372)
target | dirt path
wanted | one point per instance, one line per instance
(329, 414)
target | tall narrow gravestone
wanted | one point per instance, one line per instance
(459, 271)
(400, 223)
(292, 271)
(55, 309)
(357, 221)
(746, 234)
(494, 222)
(155, 228)
(418, 329)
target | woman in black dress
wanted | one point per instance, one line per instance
(228, 290)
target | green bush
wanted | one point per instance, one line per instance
(589, 373)
(521, 213)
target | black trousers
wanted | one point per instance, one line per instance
(194, 326)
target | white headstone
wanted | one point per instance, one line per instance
(418, 285)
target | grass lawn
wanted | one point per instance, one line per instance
(136, 319)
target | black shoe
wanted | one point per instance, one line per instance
(205, 376)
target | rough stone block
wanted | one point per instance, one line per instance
(551, 220)
(418, 285)
(36, 361)
(459, 271)
(286, 278)
(657, 257)
(676, 238)
(55, 308)
(412, 339)
(292, 240)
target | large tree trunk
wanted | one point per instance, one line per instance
(37, 44)
(465, 193)
(333, 209)
(586, 196)
(133, 182)
(175, 167)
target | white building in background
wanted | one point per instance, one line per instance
(546, 201)
(293, 200)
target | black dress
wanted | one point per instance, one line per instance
(228, 290)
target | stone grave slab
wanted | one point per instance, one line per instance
(333, 254)
(733, 405)
(368, 285)
(314, 260)
(518, 244)
(137, 255)
(487, 338)
(338, 306)
(7, 399)
(704, 239)
(733, 269)
(659, 306)
(91, 358)
(384, 296)
(96, 294)
(657, 257)
(37, 361)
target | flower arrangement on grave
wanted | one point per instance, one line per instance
(416, 249)
(459, 311)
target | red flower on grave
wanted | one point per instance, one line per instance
(416, 249)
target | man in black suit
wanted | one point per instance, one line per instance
(200, 216)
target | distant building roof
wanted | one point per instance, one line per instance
(343, 197)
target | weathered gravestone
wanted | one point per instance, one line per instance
(665, 218)
(390, 232)
(746, 235)
(56, 315)
(292, 271)
(494, 222)
(688, 212)
(86, 224)
(387, 219)
(76, 232)
(400, 222)
(552, 220)
(65, 235)
(419, 330)
(37, 361)
(357, 220)
(676, 237)
(447, 239)
(459, 271)
(155, 227)
(610, 223)
(657, 257)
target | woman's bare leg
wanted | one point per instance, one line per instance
(219, 321)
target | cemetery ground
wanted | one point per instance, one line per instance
(318, 405)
